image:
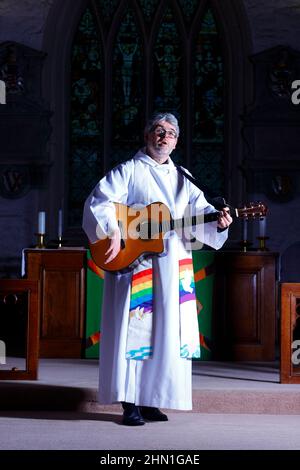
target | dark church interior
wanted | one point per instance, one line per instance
(78, 81)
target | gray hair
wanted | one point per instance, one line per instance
(159, 117)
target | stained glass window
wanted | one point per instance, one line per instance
(127, 91)
(208, 106)
(168, 72)
(168, 66)
(86, 116)
(134, 84)
(188, 8)
(148, 7)
(106, 10)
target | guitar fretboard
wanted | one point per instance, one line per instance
(174, 224)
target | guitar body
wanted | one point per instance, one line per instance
(133, 247)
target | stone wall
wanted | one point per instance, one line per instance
(273, 22)
(24, 21)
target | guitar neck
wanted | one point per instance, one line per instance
(192, 221)
(174, 224)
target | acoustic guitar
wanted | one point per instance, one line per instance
(143, 230)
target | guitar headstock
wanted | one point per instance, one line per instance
(252, 211)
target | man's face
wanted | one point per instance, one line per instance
(162, 140)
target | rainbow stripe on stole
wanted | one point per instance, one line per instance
(189, 339)
(141, 291)
(187, 290)
(140, 314)
(139, 337)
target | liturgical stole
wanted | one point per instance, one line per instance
(139, 338)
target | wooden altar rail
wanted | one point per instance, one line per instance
(290, 333)
(13, 287)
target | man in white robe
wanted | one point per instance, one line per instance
(165, 379)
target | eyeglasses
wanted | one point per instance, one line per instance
(162, 132)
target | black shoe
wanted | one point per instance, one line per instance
(152, 414)
(131, 415)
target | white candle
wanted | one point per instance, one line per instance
(42, 222)
(245, 229)
(60, 223)
(262, 226)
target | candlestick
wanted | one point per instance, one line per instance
(262, 226)
(262, 243)
(244, 243)
(245, 229)
(59, 242)
(41, 240)
(42, 223)
(60, 223)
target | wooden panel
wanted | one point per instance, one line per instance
(290, 315)
(62, 288)
(245, 314)
(61, 304)
(16, 286)
(241, 288)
